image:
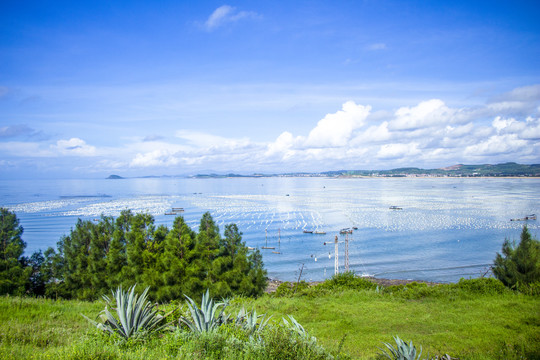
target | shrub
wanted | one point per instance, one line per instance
(518, 266)
(348, 280)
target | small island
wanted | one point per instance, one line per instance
(114, 177)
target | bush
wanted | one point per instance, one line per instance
(348, 280)
(289, 289)
(518, 266)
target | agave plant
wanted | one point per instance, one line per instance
(204, 319)
(136, 316)
(250, 321)
(402, 351)
(295, 326)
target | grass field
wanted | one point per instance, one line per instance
(468, 322)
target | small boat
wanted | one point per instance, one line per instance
(528, 217)
(345, 231)
(177, 209)
(308, 231)
(320, 232)
(393, 207)
(250, 248)
(355, 228)
(276, 252)
(170, 213)
(268, 247)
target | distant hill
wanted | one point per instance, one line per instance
(459, 170)
(115, 177)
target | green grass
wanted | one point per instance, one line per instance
(469, 320)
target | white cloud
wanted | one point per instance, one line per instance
(204, 140)
(373, 134)
(226, 14)
(154, 158)
(426, 114)
(336, 129)
(283, 143)
(497, 145)
(397, 151)
(74, 147)
(531, 130)
(422, 134)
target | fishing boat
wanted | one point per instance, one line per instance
(345, 231)
(393, 207)
(308, 231)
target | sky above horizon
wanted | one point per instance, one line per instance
(136, 88)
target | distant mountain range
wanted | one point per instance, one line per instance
(459, 170)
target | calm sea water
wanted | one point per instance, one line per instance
(447, 228)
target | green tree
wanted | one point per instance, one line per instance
(518, 265)
(14, 275)
(76, 251)
(177, 254)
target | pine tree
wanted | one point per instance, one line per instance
(76, 251)
(14, 275)
(518, 266)
(177, 249)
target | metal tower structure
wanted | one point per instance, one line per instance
(347, 252)
(336, 257)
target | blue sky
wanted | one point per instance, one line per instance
(134, 88)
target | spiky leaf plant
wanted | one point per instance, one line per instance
(295, 326)
(250, 321)
(204, 319)
(402, 351)
(135, 317)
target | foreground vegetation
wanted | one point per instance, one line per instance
(97, 256)
(346, 317)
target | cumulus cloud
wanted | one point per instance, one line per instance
(74, 147)
(423, 134)
(336, 129)
(226, 14)
(424, 115)
(497, 145)
(428, 132)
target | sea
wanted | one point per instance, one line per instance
(432, 229)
